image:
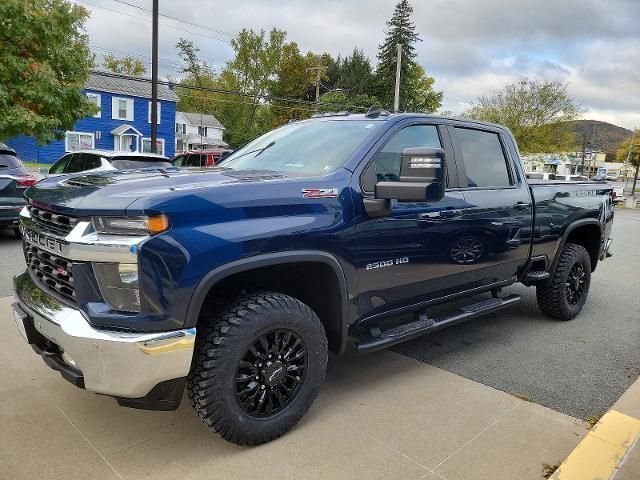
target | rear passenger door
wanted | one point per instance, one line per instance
(497, 213)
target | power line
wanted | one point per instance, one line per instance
(239, 93)
(86, 3)
(182, 20)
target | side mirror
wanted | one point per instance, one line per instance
(422, 174)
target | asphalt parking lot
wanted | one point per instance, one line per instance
(579, 368)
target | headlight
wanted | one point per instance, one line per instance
(118, 283)
(140, 225)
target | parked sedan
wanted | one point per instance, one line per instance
(86, 161)
(14, 180)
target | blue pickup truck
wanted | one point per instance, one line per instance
(234, 283)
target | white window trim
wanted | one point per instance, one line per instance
(98, 102)
(161, 140)
(66, 139)
(114, 108)
(158, 113)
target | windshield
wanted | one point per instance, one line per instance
(312, 148)
(126, 163)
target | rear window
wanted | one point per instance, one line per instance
(9, 161)
(127, 163)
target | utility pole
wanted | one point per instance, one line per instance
(635, 177)
(318, 71)
(396, 96)
(154, 78)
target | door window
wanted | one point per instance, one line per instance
(385, 165)
(483, 158)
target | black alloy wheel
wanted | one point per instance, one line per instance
(257, 367)
(271, 373)
(564, 294)
(575, 283)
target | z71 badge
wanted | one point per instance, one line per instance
(387, 263)
(319, 192)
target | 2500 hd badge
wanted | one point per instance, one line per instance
(387, 263)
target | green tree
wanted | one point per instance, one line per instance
(416, 88)
(342, 100)
(292, 81)
(356, 74)
(126, 65)
(536, 111)
(630, 149)
(45, 60)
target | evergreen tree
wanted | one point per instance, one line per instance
(416, 88)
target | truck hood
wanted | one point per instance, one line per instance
(110, 193)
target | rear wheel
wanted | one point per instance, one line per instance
(257, 368)
(564, 295)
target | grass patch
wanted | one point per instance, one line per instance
(592, 420)
(548, 470)
(36, 165)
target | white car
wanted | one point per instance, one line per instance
(87, 161)
(611, 177)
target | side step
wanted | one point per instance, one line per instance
(424, 325)
(536, 276)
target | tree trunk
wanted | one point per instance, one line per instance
(635, 179)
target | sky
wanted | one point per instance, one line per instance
(470, 47)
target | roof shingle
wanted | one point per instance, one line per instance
(126, 85)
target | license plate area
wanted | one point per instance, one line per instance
(24, 323)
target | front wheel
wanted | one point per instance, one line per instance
(564, 295)
(257, 368)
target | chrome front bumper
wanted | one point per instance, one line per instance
(115, 363)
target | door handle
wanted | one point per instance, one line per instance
(450, 213)
(521, 206)
(441, 215)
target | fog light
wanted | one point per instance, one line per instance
(118, 284)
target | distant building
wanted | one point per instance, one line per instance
(123, 122)
(196, 131)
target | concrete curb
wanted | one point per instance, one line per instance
(602, 453)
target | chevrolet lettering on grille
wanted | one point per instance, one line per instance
(43, 241)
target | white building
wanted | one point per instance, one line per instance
(196, 131)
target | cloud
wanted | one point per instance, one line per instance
(471, 47)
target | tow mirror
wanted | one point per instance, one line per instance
(422, 174)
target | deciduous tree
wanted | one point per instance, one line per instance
(536, 112)
(44, 62)
(126, 65)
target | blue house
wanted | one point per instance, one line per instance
(123, 122)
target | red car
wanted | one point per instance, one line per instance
(200, 158)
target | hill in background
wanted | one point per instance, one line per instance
(602, 135)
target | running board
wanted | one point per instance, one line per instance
(423, 325)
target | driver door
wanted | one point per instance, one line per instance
(404, 258)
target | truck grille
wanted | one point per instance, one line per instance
(53, 272)
(50, 222)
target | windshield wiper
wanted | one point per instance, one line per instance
(259, 150)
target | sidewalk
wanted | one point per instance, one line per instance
(611, 450)
(381, 415)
